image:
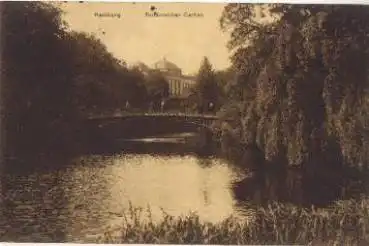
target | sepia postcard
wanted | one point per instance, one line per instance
(184, 123)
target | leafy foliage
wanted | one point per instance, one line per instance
(207, 89)
(101, 82)
(30, 67)
(157, 86)
(51, 78)
(304, 77)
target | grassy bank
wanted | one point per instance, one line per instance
(344, 223)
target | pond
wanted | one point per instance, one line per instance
(93, 192)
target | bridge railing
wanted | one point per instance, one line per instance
(119, 114)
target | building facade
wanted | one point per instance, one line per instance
(179, 84)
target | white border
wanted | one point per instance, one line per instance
(350, 2)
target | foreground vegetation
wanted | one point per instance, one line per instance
(344, 223)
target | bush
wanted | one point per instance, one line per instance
(344, 223)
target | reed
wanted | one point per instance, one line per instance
(344, 223)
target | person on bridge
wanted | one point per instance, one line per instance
(211, 107)
(162, 105)
(127, 105)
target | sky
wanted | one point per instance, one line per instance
(135, 37)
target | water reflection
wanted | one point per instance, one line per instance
(33, 208)
(175, 184)
(94, 192)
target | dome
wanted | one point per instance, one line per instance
(167, 66)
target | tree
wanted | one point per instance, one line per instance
(206, 89)
(295, 69)
(102, 82)
(51, 77)
(36, 82)
(157, 87)
(304, 81)
(225, 80)
(136, 93)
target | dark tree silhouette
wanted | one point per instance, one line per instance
(206, 90)
(36, 78)
(51, 78)
(157, 87)
(302, 78)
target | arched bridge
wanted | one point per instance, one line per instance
(129, 125)
(199, 119)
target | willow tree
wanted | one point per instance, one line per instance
(305, 71)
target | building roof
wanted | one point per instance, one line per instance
(189, 77)
(164, 64)
(181, 77)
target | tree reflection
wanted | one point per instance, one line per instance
(33, 205)
(292, 186)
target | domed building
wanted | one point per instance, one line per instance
(168, 67)
(179, 84)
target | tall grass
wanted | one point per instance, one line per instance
(344, 223)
